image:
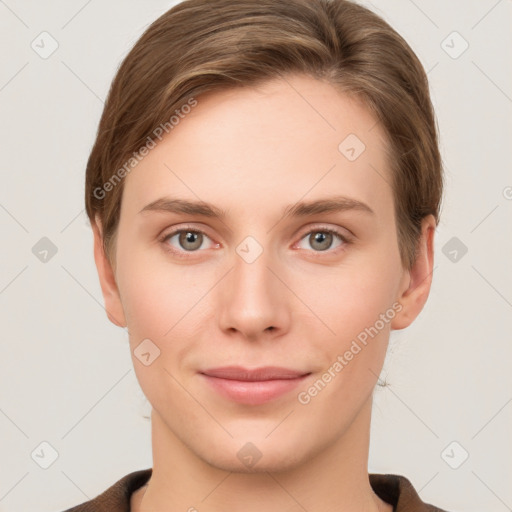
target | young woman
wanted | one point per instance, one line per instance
(263, 191)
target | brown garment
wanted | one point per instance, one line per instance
(394, 489)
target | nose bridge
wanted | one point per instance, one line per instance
(252, 300)
(251, 277)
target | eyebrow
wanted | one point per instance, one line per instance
(302, 209)
(327, 205)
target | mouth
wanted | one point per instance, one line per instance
(253, 387)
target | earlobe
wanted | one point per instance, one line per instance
(418, 280)
(109, 289)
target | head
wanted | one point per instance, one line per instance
(255, 110)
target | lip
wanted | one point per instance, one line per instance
(253, 386)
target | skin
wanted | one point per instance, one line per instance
(253, 152)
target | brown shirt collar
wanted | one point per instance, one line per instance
(394, 489)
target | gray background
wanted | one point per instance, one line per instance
(66, 376)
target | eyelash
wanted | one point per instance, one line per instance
(185, 254)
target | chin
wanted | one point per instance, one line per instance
(255, 454)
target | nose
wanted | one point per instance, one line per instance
(253, 301)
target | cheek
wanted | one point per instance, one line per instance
(151, 295)
(357, 303)
(358, 307)
(158, 300)
(351, 298)
(162, 301)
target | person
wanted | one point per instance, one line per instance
(264, 189)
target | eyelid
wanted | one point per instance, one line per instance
(180, 228)
(338, 230)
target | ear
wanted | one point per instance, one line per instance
(111, 296)
(416, 283)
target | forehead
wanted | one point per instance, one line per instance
(286, 139)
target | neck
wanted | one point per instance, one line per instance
(334, 479)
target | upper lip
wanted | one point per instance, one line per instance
(255, 374)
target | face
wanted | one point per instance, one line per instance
(266, 281)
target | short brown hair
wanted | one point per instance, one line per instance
(201, 46)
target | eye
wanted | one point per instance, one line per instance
(191, 240)
(321, 239)
(185, 240)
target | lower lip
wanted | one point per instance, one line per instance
(253, 392)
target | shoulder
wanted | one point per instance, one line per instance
(117, 497)
(399, 492)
